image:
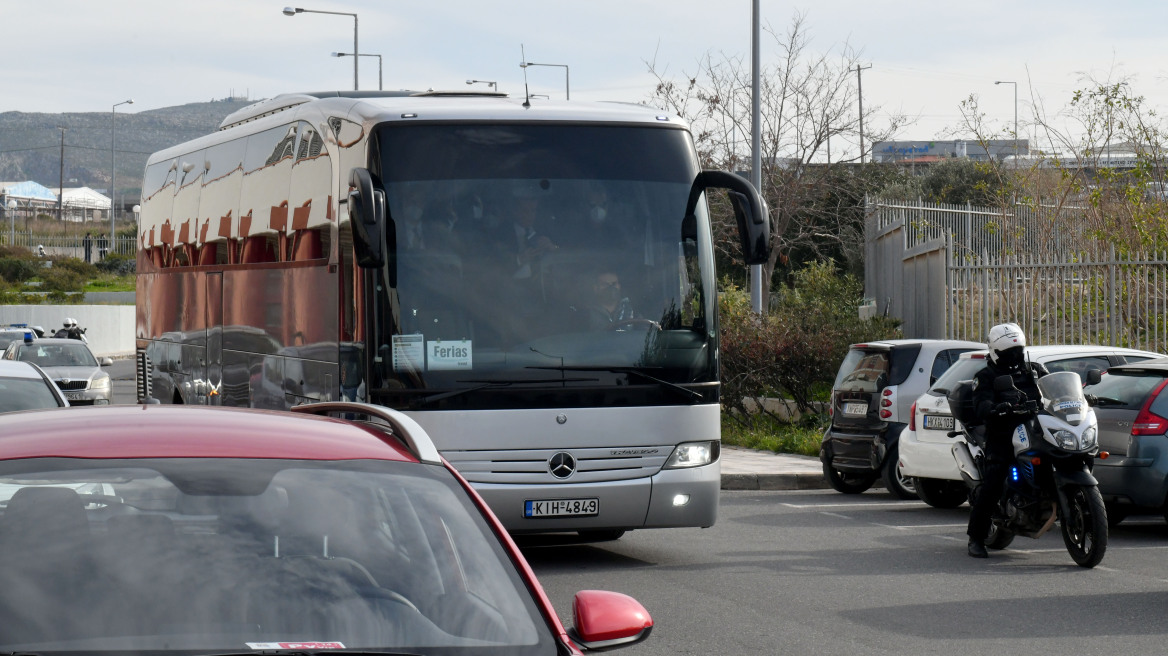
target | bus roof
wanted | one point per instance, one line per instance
(452, 105)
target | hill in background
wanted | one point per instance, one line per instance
(30, 144)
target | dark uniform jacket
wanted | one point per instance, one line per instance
(1000, 427)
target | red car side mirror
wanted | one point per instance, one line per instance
(605, 620)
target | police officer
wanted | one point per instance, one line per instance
(997, 410)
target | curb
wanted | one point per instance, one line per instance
(800, 481)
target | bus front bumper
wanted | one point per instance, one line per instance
(673, 498)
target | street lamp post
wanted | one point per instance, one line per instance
(1015, 118)
(113, 170)
(492, 85)
(363, 54)
(292, 11)
(567, 90)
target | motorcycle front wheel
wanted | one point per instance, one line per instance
(1084, 525)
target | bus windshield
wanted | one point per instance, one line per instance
(548, 255)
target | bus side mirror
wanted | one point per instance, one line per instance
(367, 218)
(750, 211)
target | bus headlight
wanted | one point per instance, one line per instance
(693, 454)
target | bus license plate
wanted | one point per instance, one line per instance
(939, 422)
(855, 408)
(561, 507)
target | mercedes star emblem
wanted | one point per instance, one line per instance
(562, 465)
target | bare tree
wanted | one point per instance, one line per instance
(808, 102)
(1102, 175)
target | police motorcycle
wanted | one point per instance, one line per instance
(1050, 478)
(70, 330)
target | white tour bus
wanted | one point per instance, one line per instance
(532, 281)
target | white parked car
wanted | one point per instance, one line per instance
(925, 445)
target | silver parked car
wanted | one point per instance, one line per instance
(1131, 402)
(70, 364)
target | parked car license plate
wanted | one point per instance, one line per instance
(939, 422)
(74, 396)
(855, 408)
(561, 507)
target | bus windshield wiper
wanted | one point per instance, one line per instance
(685, 392)
(484, 384)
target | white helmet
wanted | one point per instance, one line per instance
(70, 322)
(1007, 345)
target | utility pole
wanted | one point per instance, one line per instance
(860, 92)
(756, 281)
(61, 182)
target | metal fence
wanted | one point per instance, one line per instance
(1061, 287)
(1114, 299)
(1019, 228)
(68, 246)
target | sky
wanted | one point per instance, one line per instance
(925, 56)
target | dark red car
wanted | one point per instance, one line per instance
(180, 530)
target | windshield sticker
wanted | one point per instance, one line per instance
(448, 355)
(408, 353)
(1068, 405)
(295, 645)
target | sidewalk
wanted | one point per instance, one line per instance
(750, 469)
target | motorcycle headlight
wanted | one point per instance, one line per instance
(692, 454)
(1065, 439)
(1089, 437)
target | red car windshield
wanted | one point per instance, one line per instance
(203, 555)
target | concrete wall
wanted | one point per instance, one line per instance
(109, 328)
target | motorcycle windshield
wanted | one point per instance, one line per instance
(1062, 396)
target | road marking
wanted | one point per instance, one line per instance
(906, 527)
(897, 504)
(831, 514)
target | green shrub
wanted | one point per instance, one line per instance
(795, 349)
(118, 264)
(14, 269)
(62, 280)
(79, 266)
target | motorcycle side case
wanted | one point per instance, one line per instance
(961, 402)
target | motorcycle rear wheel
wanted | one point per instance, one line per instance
(1084, 525)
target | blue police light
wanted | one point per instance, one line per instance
(1014, 473)
(28, 337)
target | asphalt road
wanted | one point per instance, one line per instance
(816, 572)
(122, 380)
